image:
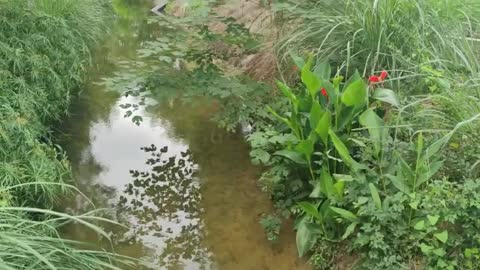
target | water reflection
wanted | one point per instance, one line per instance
(190, 199)
(162, 204)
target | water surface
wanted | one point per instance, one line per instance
(185, 188)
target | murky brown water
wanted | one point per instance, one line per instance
(185, 188)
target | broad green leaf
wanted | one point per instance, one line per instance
(259, 155)
(305, 147)
(355, 94)
(414, 205)
(342, 149)
(332, 93)
(293, 156)
(443, 236)
(439, 252)
(343, 177)
(326, 183)
(299, 61)
(323, 70)
(469, 252)
(405, 172)
(310, 209)
(323, 126)
(305, 104)
(425, 248)
(387, 96)
(419, 226)
(288, 93)
(310, 79)
(339, 188)
(433, 219)
(375, 195)
(435, 147)
(350, 229)
(316, 114)
(376, 129)
(345, 214)
(291, 124)
(317, 190)
(305, 239)
(398, 181)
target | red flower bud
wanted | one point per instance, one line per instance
(324, 92)
(383, 75)
(374, 79)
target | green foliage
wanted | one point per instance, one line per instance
(25, 243)
(349, 177)
(45, 49)
(271, 224)
(37, 72)
(413, 39)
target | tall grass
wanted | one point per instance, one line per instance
(44, 52)
(398, 35)
(30, 244)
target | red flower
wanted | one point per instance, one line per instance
(383, 75)
(375, 79)
(378, 79)
(324, 92)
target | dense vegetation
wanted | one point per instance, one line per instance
(45, 48)
(369, 145)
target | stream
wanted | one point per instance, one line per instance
(184, 187)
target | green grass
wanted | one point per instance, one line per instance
(45, 49)
(401, 36)
(30, 244)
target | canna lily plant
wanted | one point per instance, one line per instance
(323, 117)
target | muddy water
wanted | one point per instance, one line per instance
(185, 188)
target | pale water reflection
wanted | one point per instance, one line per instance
(184, 187)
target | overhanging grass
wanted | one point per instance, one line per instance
(44, 52)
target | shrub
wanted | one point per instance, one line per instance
(340, 164)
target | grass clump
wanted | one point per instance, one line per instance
(44, 52)
(404, 37)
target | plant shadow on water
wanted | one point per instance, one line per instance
(163, 203)
(195, 206)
